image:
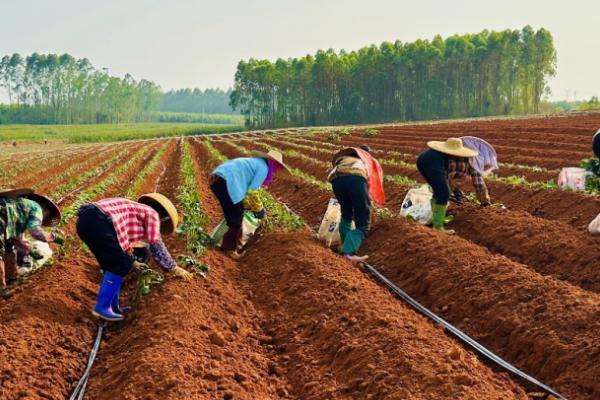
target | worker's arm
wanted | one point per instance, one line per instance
(34, 227)
(158, 249)
(252, 202)
(162, 256)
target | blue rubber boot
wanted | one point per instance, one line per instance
(111, 285)
(115, 304)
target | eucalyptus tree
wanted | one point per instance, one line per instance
(487, 73)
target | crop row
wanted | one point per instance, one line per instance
(515, 326)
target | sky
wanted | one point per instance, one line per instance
(197, 43)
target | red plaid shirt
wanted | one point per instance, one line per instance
(133, 221)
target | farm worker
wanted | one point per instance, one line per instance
(596, 143)
(22, 210)
(231, 181)
(441, 161)
(357, 181)
(111, 228)
(478, 168)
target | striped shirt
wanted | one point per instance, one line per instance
(133, 222)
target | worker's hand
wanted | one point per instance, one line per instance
(58, 239)
(457, 196)
(260, 214)
(182, 273)
(139, 266)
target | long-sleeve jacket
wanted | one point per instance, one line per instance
(458, 168)
(241, 175)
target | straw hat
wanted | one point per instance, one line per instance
(14, 193)
(169, 219)
(54, 215)
(271, 155)
(453, 147)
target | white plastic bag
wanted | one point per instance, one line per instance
(417, 205)
(329, 231)
(44, 250)
(594, 226)
(249, 226)
(573, 178)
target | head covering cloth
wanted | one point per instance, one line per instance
(486, 160)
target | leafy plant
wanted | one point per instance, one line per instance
(279, 214)
(147, 279)
(369, 132)
(384, 213)
(197, 267)
(402, 180)
(194, 219)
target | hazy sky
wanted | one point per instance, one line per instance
(194, 43)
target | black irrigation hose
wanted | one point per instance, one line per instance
(82, 385)
(472, 343)
(458, 333)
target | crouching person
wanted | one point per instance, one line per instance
(357, 181)
(22, 210)
(111, 227)
(231, 181)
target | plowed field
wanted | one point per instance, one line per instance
(292, 319)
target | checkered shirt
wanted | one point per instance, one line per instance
(133, 221)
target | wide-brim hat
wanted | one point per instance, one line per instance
(453, 147)
(54, 215)
(169, 219)
(271, 155)
(14, 193)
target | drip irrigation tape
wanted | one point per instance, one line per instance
(458, 333)
(466, 339)
(82, 385)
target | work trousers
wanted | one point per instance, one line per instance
(97, 231)
(233, 212)
(433, 167)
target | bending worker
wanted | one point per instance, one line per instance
(111, 227)
(23, 210)
(231, 181)
(357, 181)
(445, 161)
(480, 166)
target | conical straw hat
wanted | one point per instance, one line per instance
(165, 209)
(453, 147)
(271, 155)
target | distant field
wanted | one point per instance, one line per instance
(109, 132)
(180, 117)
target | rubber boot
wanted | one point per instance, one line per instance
(345, 227)
(115, 304)
(111, 285)
(439, 215)
(352, 242)
(231, 239)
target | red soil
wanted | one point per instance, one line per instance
(513, 319)
(339, 335)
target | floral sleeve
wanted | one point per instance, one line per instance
(162, 256)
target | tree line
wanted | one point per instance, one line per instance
(208, 101)
(488, 73)
(59, 89)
